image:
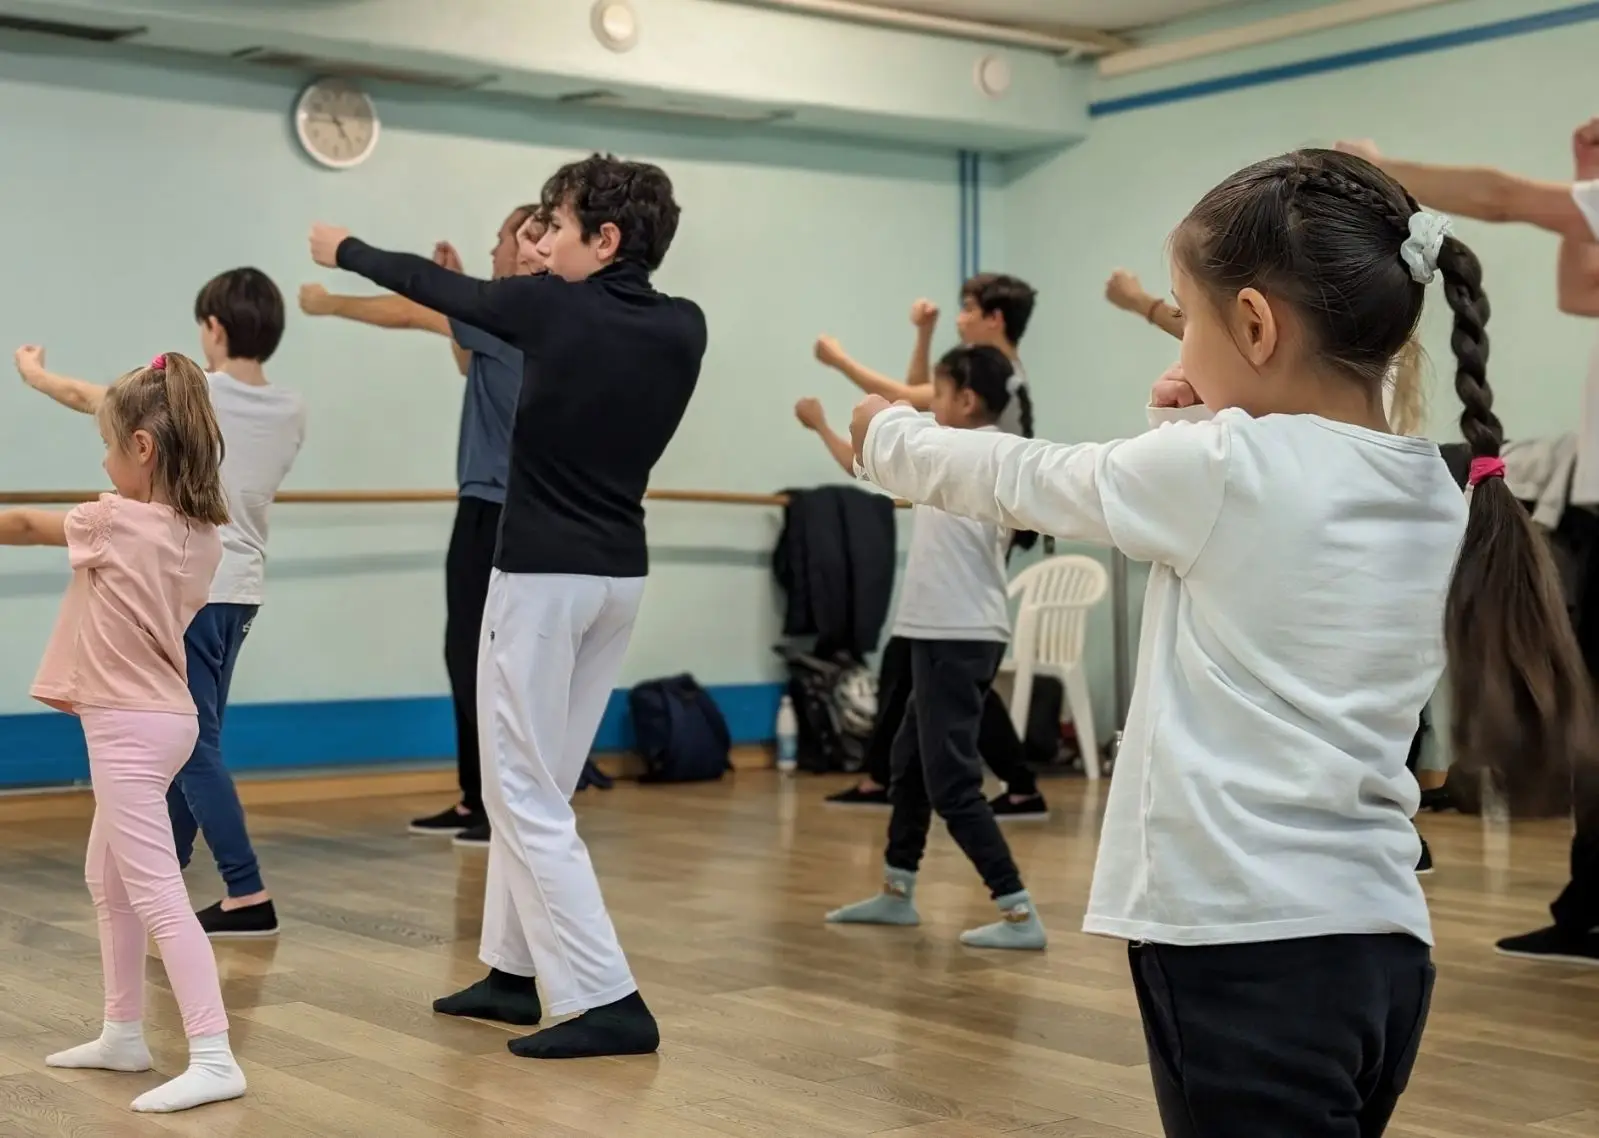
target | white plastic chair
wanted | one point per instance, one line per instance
(1051, 626)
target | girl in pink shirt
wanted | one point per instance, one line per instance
(142, 561)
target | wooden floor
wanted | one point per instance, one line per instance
(773, 1023)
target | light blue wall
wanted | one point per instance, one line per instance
(129, 184)
(1072, 218)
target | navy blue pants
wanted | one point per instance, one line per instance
(202, 799)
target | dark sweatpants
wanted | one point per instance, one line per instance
(996, 735)
(936, 765)
(1311, 1038)
(467, 568)
(1577, 908)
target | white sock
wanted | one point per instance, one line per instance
(213, 1076)
(119, 1048)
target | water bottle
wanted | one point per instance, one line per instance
(787, 736)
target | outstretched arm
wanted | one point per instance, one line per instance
(1156, 497)
(1126, 292)
(382, 312)
(809, 413)
(76, 394)
(924, 316)
(33, 527)
(829, 352)
(1482, 192)
(513, 308)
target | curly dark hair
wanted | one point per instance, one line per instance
(636, 197)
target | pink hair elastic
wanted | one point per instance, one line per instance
(159, 363)
(1482, 468)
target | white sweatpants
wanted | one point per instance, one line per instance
(550, 652)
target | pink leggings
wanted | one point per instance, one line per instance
(132, 867)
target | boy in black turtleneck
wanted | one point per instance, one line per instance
(610, 366)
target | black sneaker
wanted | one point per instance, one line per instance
(250, 922)
(477, 837)
(1424, 865)
(1553, 943)
(444, 824)
(1031, 808)
(857, 796)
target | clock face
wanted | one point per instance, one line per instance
(337, 123)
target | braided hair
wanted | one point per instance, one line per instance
(1321, 232)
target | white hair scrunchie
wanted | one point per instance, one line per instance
(1420, 250)
(1014, 383)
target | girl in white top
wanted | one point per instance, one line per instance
(1257, 848)
(954, 613)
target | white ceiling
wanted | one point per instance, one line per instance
(1102, 15)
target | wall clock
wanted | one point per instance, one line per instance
(337, 123)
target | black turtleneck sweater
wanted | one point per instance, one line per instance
(610, 365)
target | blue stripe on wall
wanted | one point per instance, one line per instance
(46, 749)
(1421, 45)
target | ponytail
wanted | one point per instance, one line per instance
(1523, 704)
(194, 470)
(171, 400)
(1409, 408)
(1023, 539)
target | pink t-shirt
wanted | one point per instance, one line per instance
(139, 574)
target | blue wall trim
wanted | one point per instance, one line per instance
(1421, 45)
(46, 749)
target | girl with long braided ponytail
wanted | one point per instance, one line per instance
(1257, 849)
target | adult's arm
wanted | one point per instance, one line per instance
(1579, 277)
(1482, 192)
(513, 308)
(382, 312)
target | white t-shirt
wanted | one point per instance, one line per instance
(954, 587)
(1585, 481)
(262, 430)
(1292, 632)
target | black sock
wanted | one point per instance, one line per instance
(499, 996)
(623, 1028)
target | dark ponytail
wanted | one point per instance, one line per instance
(1523, 699)
(992, 377)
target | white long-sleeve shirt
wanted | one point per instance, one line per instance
(1292, 632)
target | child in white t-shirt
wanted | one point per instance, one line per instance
(240, 317)
(954, 614)
(1308, 569)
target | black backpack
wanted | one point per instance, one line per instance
(679, 731)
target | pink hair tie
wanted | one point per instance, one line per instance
(159, 363)
(1482, 468)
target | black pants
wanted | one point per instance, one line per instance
(1577, 907)
(936, 765)
(996, 735)
(467, 568)
(1310, 1038)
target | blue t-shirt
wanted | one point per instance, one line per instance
(493, 382)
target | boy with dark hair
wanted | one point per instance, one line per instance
(240, 315)
(995, 311)
(493, 371)
(611, 364)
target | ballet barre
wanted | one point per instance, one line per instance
(400, 497)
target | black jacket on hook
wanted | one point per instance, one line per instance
(835, 562)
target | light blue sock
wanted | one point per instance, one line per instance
(1018, 926)
(893, 906)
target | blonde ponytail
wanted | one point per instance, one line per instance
(171, 400)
